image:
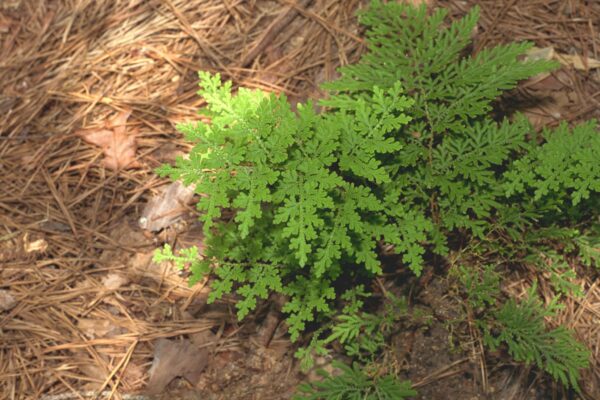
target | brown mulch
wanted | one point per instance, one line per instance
(89, 305)
(84, 304)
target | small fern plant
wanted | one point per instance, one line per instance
(501, 187)
(300, 185)
(362, 335)
(461, 173)
(521, 326)
(353, 384)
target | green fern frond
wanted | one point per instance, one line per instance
(589, 246)
(521, 326)
(354, 384)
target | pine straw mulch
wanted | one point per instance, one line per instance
(90, 305)
(87, 307)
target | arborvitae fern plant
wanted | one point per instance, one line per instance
(354, 384)
(501, 186)
(406, 153)
(301, 188)
(521, 326)
(458, 169)
(362, 334)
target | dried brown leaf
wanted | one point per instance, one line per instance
(7, 300)
(113, 281)
(165, 208)
(118, 144)
(576, 61)
(97, 328)
(174, 359)
(549, 82)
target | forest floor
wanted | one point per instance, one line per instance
(90, 94)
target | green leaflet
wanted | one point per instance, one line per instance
(566, 165)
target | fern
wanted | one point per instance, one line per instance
(565, 165)
(405, 154)
(589, 246)
(461, 171)
(300, 187)
(362, 334)
(354, 384)
(448, 173)
(186, 258)
(315, 347)
(482, 285)
(521, 326)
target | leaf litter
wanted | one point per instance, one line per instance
(175, 359)
(7, 300)
(166, 207)
(117, 142)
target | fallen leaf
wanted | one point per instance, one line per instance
(133, 376)
(7, 300)
(118, 145)
(174, 359)
(37, 246)
(558, 80)
(576, 61)
(536, 54)
(114, 281)
(549, 111)
(5, 23)
(97, 328)
(165, 208)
